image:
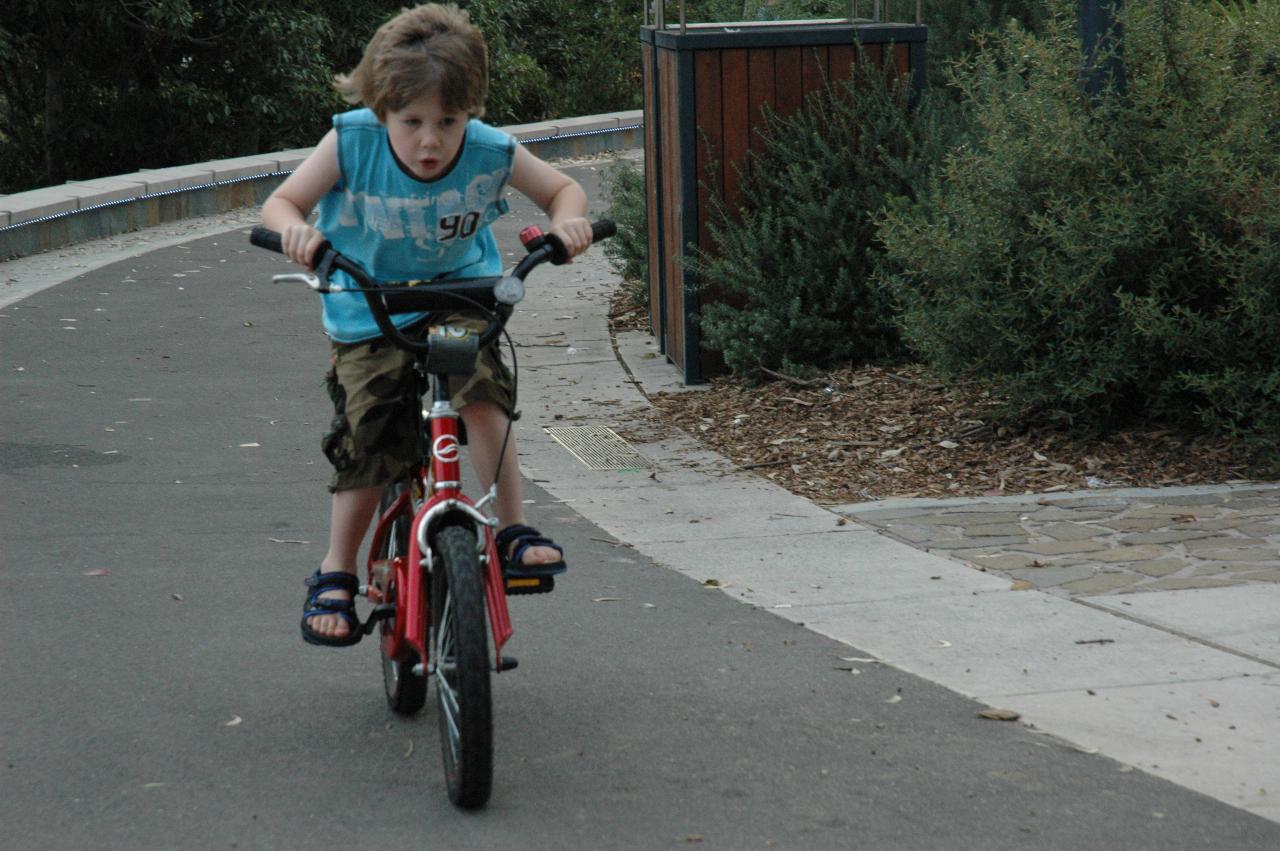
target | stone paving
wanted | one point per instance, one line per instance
(1091, 545)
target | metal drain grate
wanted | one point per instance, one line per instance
(598, 447)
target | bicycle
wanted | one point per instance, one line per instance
(433, 571)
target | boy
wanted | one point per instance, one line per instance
(408, 186)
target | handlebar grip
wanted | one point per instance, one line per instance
(602, 229)
(266, 238)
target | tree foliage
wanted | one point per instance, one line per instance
(1113, 258)
(98, 87)
(94, 88)
(553, 58)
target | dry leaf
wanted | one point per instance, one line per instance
(235, 721)
(712, 583)
(98, 571)
(897, 698)
(1022, 585)
(409, 752)
(999, 715)
(607, 600)
(286, 541)
(177, 597)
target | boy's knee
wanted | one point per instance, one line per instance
(481, 414)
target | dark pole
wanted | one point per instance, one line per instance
(1102, 34)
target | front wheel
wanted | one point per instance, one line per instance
(460, 652)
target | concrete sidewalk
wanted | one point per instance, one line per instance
(1182, 680)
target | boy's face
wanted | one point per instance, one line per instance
(425, 136)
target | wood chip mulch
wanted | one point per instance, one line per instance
(872, 433)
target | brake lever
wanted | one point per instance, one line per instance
(317, 281)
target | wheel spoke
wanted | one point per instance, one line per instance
(445, 666)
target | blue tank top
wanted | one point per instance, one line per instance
(402, 228)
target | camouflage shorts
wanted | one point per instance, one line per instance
(374, 437)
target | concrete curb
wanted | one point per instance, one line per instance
(55, 216)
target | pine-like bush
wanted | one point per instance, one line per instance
(628, 251)
(1110, 259)
(791, 267)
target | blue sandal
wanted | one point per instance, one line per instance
(524, 537)
(319, 583)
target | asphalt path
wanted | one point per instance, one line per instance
(163, 497)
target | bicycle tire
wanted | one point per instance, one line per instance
(406, 691)
(460, 649)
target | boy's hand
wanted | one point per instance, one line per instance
(300, 243)
(574, 233)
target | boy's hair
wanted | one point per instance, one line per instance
(431, 48)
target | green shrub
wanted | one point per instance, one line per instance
(790, 270)
(1113, 259)
(628, 252)
(558, 58)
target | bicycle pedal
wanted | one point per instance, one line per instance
(379, 613)
(518, 585)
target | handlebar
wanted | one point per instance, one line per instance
(495, 295)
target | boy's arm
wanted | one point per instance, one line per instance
(559, 196)
(293, 200)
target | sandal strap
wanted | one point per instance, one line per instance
(515, 532)
(525, 537)
(333, 605)
(338, 580)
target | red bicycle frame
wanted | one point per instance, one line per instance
(442, 476)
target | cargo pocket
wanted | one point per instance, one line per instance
(336, 445)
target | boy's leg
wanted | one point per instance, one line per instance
(349, 518)
(373, 438)
(486, 428)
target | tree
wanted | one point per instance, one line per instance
(98, 88)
